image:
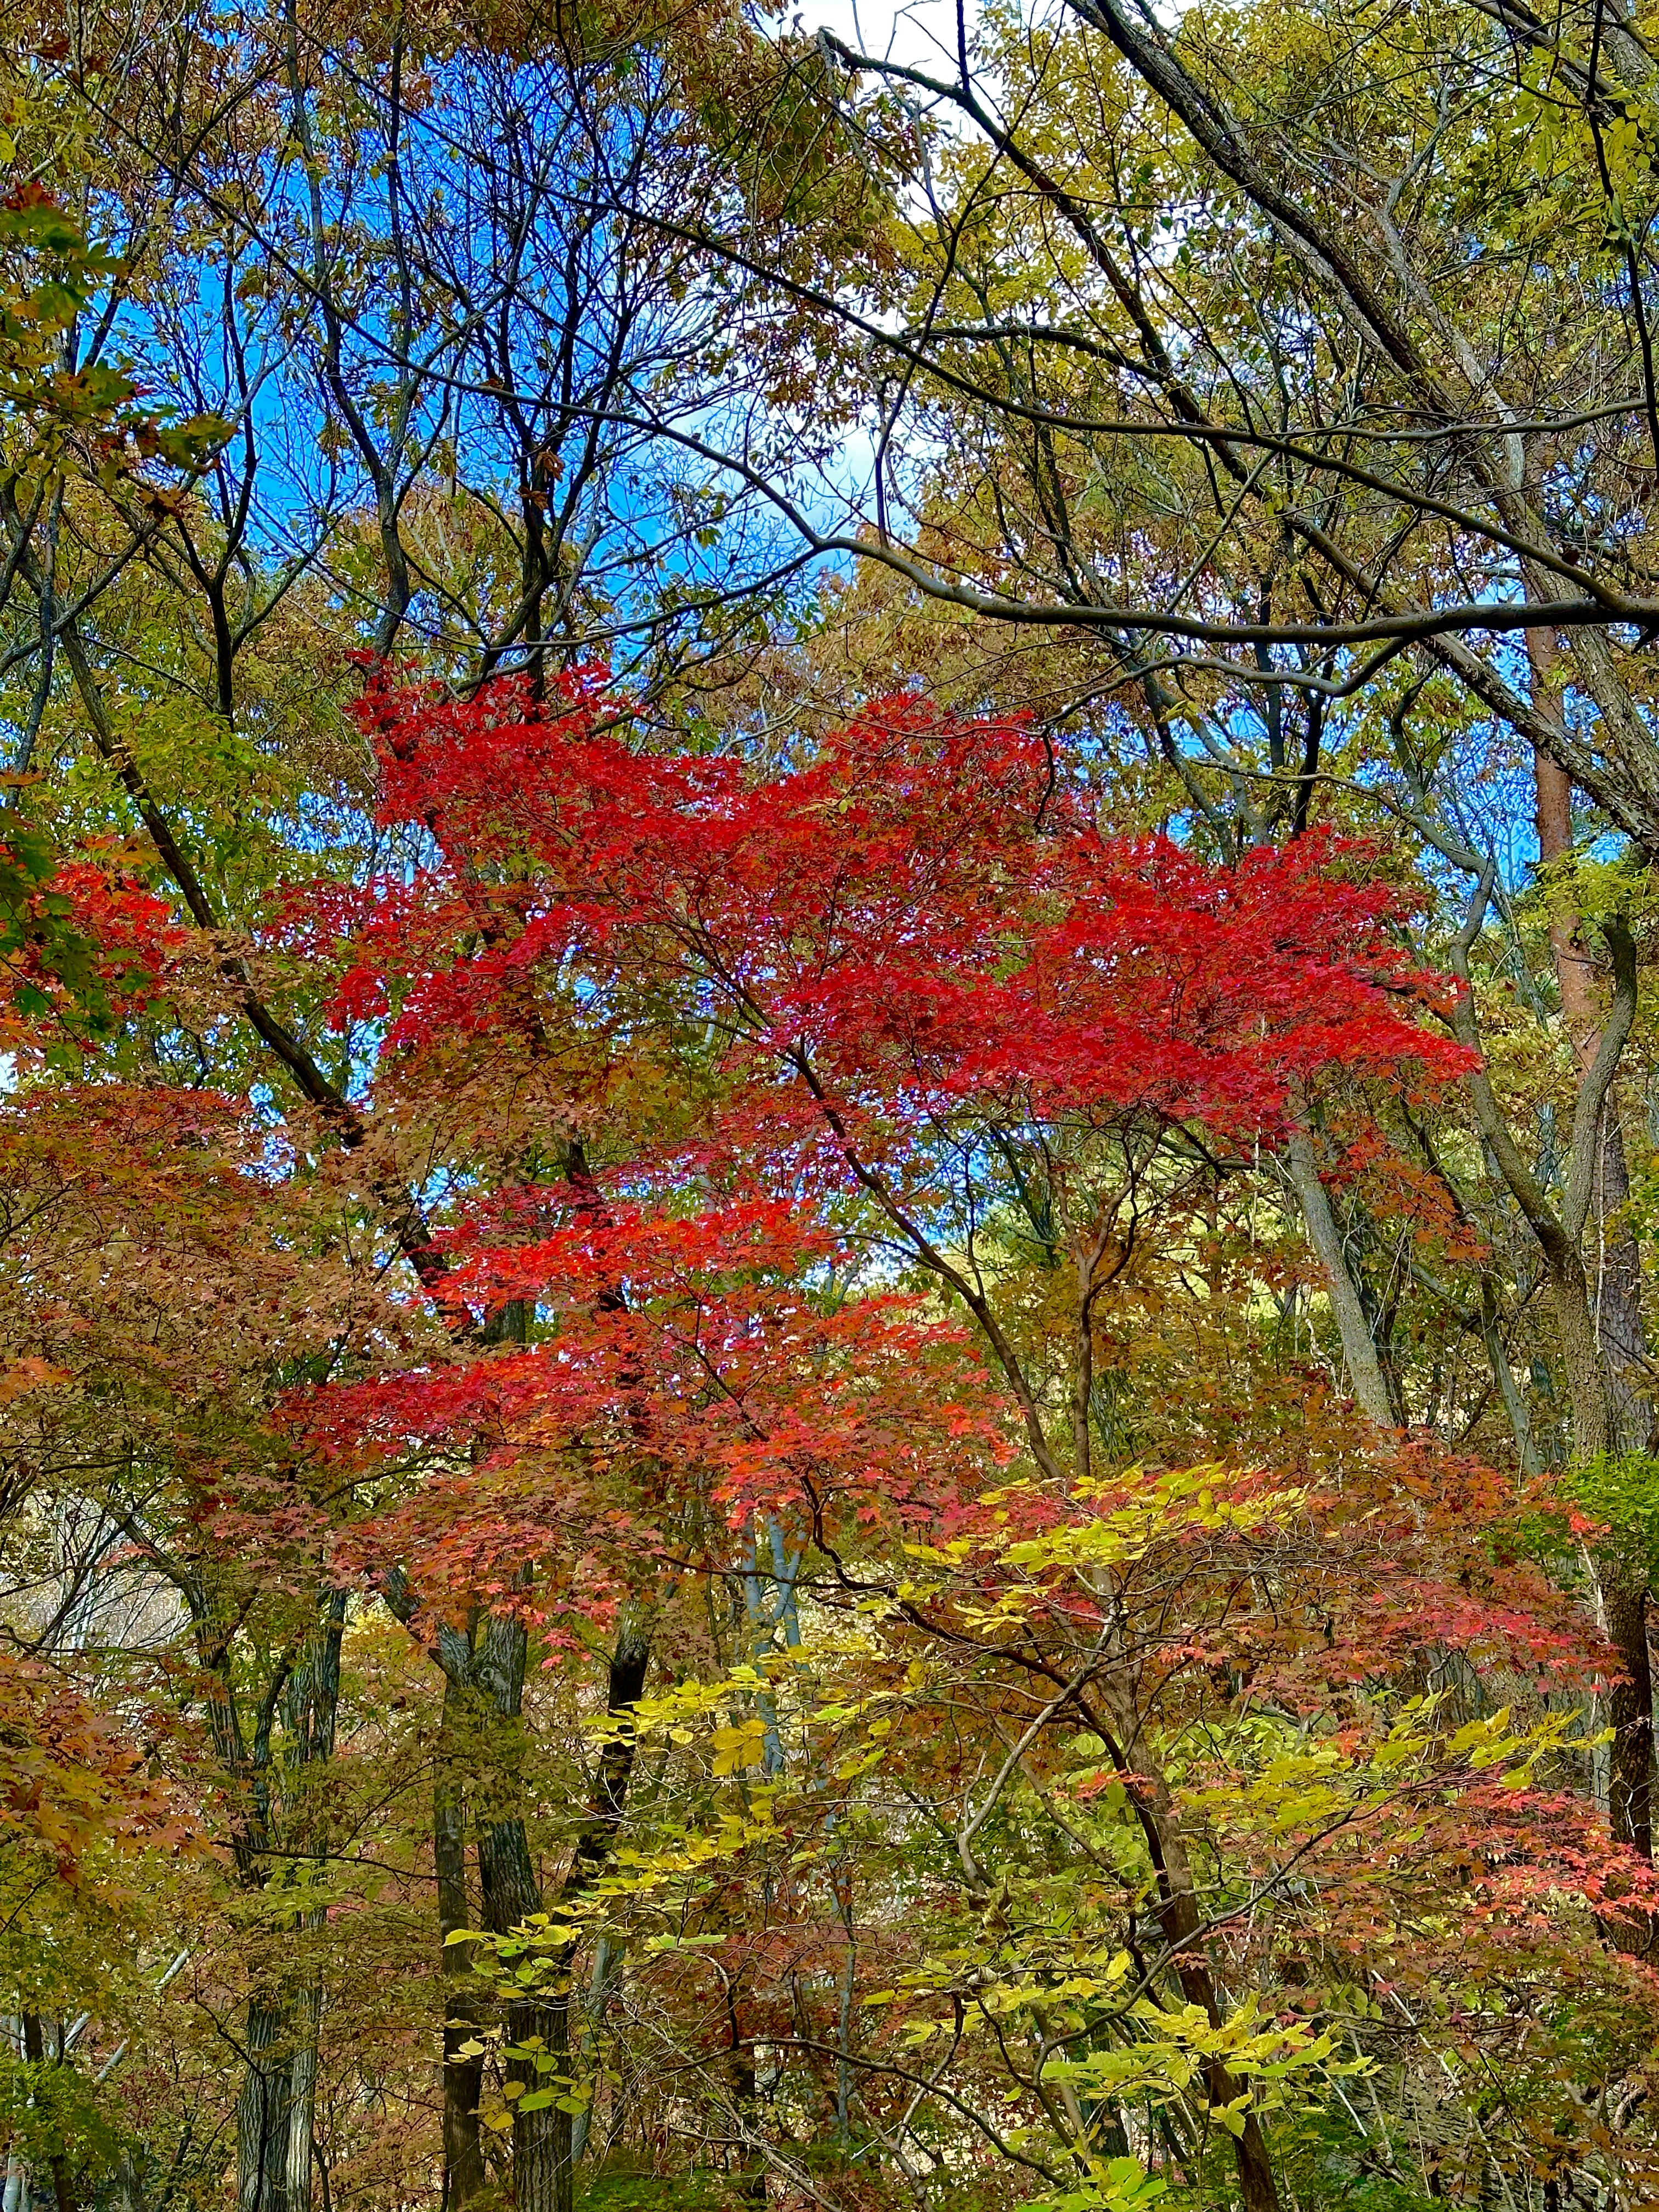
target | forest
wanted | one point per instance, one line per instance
(828, 1105)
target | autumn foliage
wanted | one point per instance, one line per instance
(759, 1168)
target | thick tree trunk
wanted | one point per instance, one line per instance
(274, 2112)
(537, 2028)
(1622, 1337)
(1629, 1709)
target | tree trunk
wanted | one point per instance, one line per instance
(630, 1661)
(1623, 1588)
(538, 2029)
(274, 2110)
(1258, 2192)
(1603, 1344)
(464, 2166)
(1630, 1708)
(748, 2180)
(543, 2163)
(539, 2026)
(1618, 1273)
(1366, 1376)
(1179, 1922)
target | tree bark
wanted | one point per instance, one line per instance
(1365, 1374)
(543, 2163)
(463, 2167)
(536, 2028)
(1617, 1337)
(274, 2110)
(1617, 1302)
(1180, 1923)
(1630, 1707)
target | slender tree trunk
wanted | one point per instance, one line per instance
(464, 2166)
(543, 2163)
(1623, 1588)
(484, 1690)
(631, 1661)
(276, 2110)
(748, 2181)
(1180, 1922)
(1258, 2190)
(1607, 1336)
(1366, 1376)
(539, 2026)
(537, 2029)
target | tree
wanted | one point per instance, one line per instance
(804, 961)
(1171, 302)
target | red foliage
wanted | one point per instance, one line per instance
(910, 931)
(916, 916)
(79, 938)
